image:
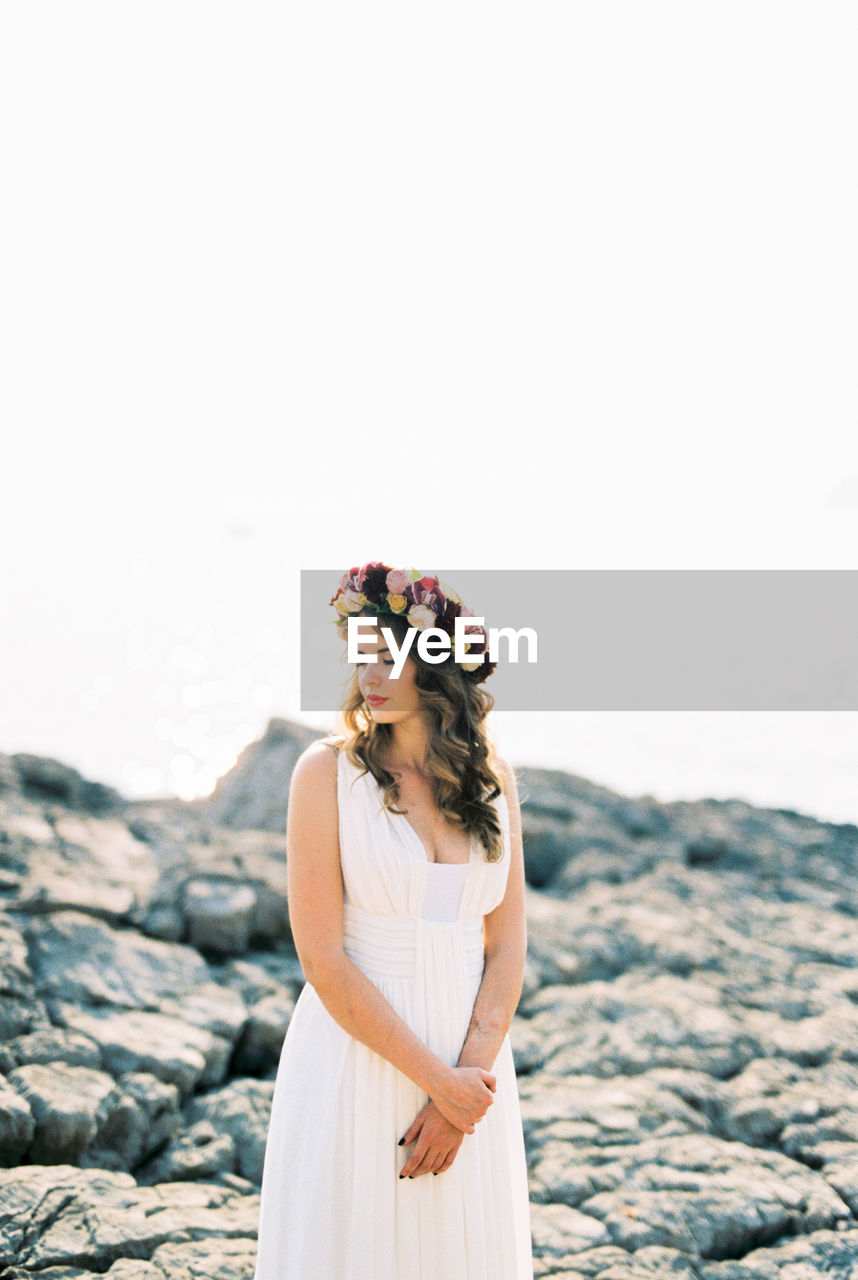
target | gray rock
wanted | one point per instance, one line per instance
(200, 862)
(51, 1044)
(69, 1105)
(842, 1176)
(825, 1253)
(57, 1215)
(136, 1040)
(17, 1124)
(199, 1151)
(91, 864)
(50, 780)
(211, 1006)
(559, 1231)
(698, 1194)
(686, 1039)
(15, 976)
(561, 1113)
(639, 1021)
(778, 1100)
(225, 1133)
(83, 959)
(19, 1018)
(145, 1116)
(56, 1273)
(219, 914)
(255, 792)
(260, 974)
(241, 1109)
(214, 1259)
(260, 1048)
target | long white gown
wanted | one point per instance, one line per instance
(332, 1205)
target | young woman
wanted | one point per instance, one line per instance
(409, 923)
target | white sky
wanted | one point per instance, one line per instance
(453, 284)
(626, 227)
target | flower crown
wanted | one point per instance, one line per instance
(376, 588)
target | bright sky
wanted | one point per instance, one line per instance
(244, 240)
(476, 284)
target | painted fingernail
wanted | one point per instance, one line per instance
(400, 1142)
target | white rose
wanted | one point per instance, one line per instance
(352, 601)
(421, 616)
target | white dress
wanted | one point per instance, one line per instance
(332, 1206)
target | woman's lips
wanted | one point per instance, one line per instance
(375, 701)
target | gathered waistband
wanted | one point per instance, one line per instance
(396, 945)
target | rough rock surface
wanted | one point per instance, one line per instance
(686, 1041)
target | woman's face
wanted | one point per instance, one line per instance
(389, 699)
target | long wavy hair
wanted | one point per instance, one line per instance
(461, 757)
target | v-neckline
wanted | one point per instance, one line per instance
(433, 862)
(430, 862)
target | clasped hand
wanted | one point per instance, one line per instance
(458, 1104)
(464, 1096)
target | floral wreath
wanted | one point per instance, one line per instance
(376, 588)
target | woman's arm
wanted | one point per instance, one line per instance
(315, 896)
(505, 941)
(436, 1142)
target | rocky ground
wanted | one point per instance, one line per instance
(686, 1043)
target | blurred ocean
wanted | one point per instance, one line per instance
(147, 653)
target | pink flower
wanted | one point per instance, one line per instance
(352, 601)
(397, 581)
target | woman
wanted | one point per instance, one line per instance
(397, 1066)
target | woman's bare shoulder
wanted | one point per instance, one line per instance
(316, 766)
(313, 804)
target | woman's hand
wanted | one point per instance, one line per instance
(436, 1140)
(464, 1095)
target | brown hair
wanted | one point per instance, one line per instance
(460, 755)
